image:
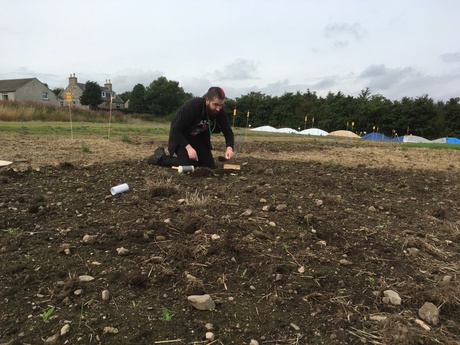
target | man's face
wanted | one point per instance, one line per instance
(214, 106)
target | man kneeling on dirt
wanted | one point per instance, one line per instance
(191, 130)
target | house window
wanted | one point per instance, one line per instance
(4, 97)
(103, 94)
(45, 96)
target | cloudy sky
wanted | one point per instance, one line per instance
(396, 48)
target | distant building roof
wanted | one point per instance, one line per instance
(13, 84)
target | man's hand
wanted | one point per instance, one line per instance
(229, 153)
(191, 153)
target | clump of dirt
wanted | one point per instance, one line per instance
(297, 247)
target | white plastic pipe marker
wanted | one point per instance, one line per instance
(182, 169)
(119, 189)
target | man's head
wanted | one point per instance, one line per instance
(215, 99)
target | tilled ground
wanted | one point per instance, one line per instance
(297, 247)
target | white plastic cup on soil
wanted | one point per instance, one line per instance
(121, 188)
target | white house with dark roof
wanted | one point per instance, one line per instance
(28, 89)
(76, 90)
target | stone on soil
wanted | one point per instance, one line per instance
(122, 251)
(429, 313)
(89, 239)
(202, 302)
(85, 278)
(65, 329)
(392, 297)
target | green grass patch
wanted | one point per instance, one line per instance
(123, 131)
(432, 145)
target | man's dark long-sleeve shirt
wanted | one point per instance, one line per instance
(193, 120)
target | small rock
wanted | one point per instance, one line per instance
(85, 278)
(215, 237)
(263, 201)
(246, 213)
(377, 317)
(412, 251)
(157, 259)
(110, 330)
(372, 209)
(209, 326)
(89, 239)
(273, 224)
(345, 262)
(429, 313)
(296, 328)
(65, 329)
(253, 342)
(446, 280)
(281, 207)
(52, 340)
(210, 336)
(62, 248)
(202, 302)
(105, 295)
(122, 251)
(191, 278)
(318, 202)
(392, 297)
(78, 292)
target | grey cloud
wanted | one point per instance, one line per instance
(451, 57)
(126, 80)
(238, 70)
(382, 78)
(326, 83)
(354, 30)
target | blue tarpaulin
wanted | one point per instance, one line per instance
(452, 141)
(376, 136)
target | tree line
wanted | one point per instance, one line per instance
(420, 116)
(365, 113)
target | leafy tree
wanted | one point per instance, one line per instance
(259, 107)
(450, 113)
(137, 101)
(308, 109)
(423, 115)
(287, 111)
(57, 90)
(91, 95)
(164, 96)
(125, 95)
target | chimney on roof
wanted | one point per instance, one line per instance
(108, 84)
(72, 79)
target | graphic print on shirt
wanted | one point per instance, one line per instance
(201, 127)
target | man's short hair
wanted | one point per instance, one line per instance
(215, 91)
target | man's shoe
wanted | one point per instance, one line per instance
(157, 156)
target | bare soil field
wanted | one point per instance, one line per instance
(313, 241)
